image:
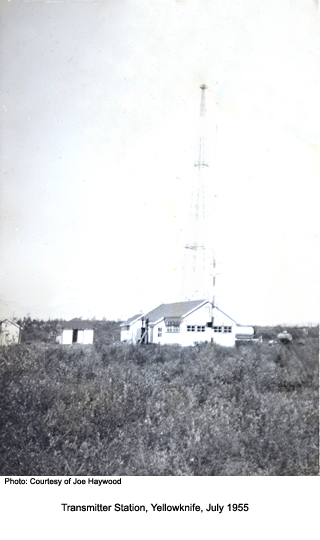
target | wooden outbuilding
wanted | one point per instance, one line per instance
(10, 332)
(76, 331)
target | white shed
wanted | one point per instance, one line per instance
(76, 331)
(10, 332)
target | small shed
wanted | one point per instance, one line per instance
(10, 332)
(76, 331)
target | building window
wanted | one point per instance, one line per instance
(172, 327)
(224, 329)
(128, 328)
(196, 328)
(159, 332)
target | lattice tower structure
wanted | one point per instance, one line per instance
(199, 262)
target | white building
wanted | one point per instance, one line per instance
(184, 323)
(10, 332)
(76, 331)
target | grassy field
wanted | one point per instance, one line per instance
(116, 409)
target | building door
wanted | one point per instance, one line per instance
(75, 336)
(143, 335)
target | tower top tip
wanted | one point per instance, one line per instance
(203, 87)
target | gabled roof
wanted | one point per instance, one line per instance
(11, 322)
(77, 324)
(132, 320)
(175, 310)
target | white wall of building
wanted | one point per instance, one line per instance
(66, 336)
(183, 337)
(225, 339)
(124, 334)
(222, 321)
(201, 316)
(80, 336)
(88, 336)
(10, 333)
(196, 321)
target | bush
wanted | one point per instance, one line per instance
(118, 409)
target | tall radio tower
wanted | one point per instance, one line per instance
(199, 263)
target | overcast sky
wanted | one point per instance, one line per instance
(98, 114)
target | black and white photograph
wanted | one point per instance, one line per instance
(159, 237)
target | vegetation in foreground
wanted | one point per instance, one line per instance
(116, 409)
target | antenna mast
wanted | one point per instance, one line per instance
(199, 262)
(201, 161)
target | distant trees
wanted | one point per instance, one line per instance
(271, 332)
(38, 330)
(106, 332)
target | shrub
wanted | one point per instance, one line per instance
(119, 409)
